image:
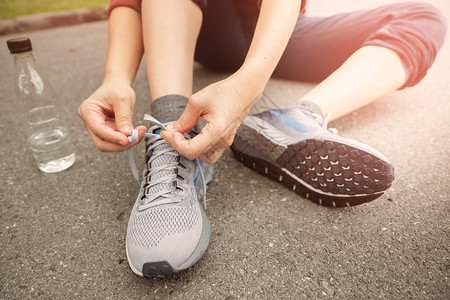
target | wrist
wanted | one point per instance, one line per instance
(252, 81)
(117, 79)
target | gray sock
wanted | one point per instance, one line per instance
(168, 108)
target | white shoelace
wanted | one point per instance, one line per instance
(168, 193)
(321, 119)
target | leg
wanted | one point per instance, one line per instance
(367, 75)
(368, 53)
(170, 30)
(168, 230)
(223, 41)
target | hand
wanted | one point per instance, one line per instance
(224, 106)
(107, 115)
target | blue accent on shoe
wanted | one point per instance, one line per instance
(158, 131)
(288, 121)
(198, 174)
(196, 178)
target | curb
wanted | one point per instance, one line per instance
(53, 19)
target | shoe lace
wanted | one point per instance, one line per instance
(161, 171)
(321, 119)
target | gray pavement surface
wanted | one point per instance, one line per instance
(62, 236)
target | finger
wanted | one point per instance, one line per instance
(123, 113)
(191, 148)
(98, 122)
(105, 146)
(211, 157)
(108, 134)
(141, 131)
(209, 138)
(188, 118)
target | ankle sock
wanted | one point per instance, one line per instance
(168, 108)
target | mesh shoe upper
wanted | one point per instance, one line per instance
(166, 223)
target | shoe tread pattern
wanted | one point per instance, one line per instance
(337, 168)
(351, 164)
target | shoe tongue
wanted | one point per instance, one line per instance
(159, 162)
(312, 110)
(165, 159)
(312, 107)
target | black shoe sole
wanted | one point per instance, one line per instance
(326, 172)
(157, 270)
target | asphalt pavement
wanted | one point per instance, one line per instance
(62, 236)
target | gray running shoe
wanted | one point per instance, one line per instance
(168, 230)
(294, 147)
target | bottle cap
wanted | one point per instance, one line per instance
(19, 45)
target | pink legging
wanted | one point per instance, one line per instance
(319, 45)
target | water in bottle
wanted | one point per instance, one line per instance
(48, 137)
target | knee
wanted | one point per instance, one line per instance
(427, 10)
(428, 16)
(416, 32)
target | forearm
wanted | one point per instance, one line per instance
(125, 45)
(274, 28)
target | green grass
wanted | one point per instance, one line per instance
(15, 8)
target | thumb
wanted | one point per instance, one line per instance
(188, 118)
(123, 113)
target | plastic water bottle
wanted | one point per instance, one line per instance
(49, 139)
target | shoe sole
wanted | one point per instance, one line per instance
(327, 172)
(162, 269)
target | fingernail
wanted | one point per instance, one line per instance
(169, 127)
